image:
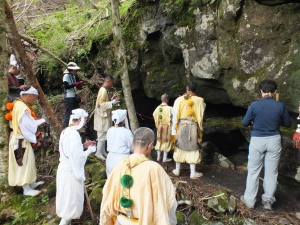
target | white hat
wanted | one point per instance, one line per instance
(298, 128)
(77, 114)
(120, 115)
(73, 66)
(30, 91)
(13, 61)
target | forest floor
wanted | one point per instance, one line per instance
(233, 182)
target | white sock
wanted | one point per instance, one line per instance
(158, 153)
(28, 191)
(165, 155)
(193, 169)
(177, 167)
(35, 184)
(64, 221)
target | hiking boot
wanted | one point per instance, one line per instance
(267, 205)
(243, 200)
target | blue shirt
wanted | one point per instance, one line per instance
(267, 116)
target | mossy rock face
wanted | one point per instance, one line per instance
(89, 222)
(196, 218)
(235, 221)
(95, 171)
(249, 221)
(219, 204)
(95, 197)
(51, 189)
(180, 218)
(7, 214)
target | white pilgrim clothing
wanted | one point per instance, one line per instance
(23, 128)
(70, 174)
(119, 145)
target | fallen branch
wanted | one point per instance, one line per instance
(289, 218)
(36, 45)
(92, 184)
(187, 202)
(207, 198)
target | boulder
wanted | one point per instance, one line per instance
(220, 203)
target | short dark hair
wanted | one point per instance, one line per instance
(192, 86)
(143, 136)
(109, 77)
(268, 85)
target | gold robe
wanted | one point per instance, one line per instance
(103, 108)
(25, 174)
(166, 115)
(152, 192)
(180, 110)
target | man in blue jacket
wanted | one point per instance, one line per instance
(264, 117)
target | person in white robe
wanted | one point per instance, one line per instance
(70, 174)
(119, 140)
(22, 169)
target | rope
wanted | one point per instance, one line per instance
(144, 116)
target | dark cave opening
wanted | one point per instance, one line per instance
(228, 143)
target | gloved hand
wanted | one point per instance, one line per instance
(40, 121)
(114, 101)
(91, 149)
(78, 84)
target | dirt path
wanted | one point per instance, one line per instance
(218, 178)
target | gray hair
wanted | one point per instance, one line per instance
(143, 136)
(164, 97)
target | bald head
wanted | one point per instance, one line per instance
(143, 140)
(108, 82)
(165, 98)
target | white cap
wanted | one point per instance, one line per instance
(120, 115)
(298, 128)
(30, 91)
(77, 114)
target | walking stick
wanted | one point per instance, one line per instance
(277, 97)
(88, 203)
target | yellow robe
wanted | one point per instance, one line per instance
(166, 119)
(25, 174)
(103, 108)
(152, 192)
(181, 108)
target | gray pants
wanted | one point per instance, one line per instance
(267, 150)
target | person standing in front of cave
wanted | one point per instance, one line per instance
(163, 121)
(103, 113)
(188, 112)
(264, 117)
(70, 85)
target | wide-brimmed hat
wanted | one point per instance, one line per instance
(73, 66)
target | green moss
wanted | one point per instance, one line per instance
(180, 217)
(196, 218)
(95, 197)
(51, 189)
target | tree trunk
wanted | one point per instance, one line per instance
(120, 53)
(20, 54)
(4, 131)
